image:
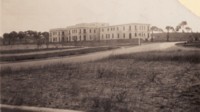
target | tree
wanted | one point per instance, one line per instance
(160, 30)
(38, 37)
(46, 38)
(178, 28)
(152, 29)
(13, 37)
(181, 26)
(21, 36)
(6, 38)
(188, 29)
(168, 28)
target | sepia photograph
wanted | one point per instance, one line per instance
(100, 56)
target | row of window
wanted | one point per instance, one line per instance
(124, 28)
(80, 31)
(73, 31)
(80, 37)
(107, 36)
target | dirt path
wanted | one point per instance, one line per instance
(90, 56)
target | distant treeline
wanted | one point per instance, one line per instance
(25, 37)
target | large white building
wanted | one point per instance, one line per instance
(99, 31)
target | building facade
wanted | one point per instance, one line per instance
(99, 31)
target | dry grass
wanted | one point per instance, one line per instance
(144, 82)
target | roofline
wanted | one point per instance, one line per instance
(127, 24)
(73, 27)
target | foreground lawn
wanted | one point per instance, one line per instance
(143, 82)
(50, 55)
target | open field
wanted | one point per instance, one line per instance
(158, 81)
(50, 55)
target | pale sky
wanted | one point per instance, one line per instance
(42, 15)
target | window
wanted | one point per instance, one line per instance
(80, 38)
(102, 30)
(94, 31)
(123, 28)
(102, 36)
(130, 36)
(69, 38)
(118, 35)
(107, 36)
(84, 37)
(84, 30)
(74, 38)
(135, 27)
(90, 37)
(129, 27)
(135, 34)
(90, 31)
(112, 35)
(54, 33)
(108, 29)
(124, 35)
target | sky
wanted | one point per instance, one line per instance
(42, 15)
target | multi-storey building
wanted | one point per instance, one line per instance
(99, 31)
(126, 31)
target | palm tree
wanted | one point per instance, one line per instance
(181, 25)
(188, 29)
(160, 30)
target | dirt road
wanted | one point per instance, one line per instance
(90, 56)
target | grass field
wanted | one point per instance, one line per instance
(50, 55)
(159, 81)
